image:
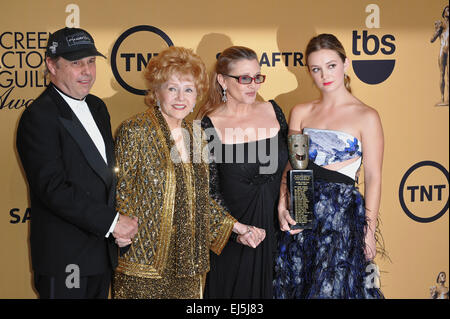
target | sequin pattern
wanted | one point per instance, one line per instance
(178, 221)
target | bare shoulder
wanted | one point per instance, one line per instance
(368, 121)
(298, 115)
(365, 114)
(301, 110)
(304, 107)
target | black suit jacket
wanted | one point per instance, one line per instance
(72, 189)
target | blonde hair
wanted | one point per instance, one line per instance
(175, 60)
(328, 41)
(223, 66)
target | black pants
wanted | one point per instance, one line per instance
(57, 287)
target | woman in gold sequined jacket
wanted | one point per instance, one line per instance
(163, 180)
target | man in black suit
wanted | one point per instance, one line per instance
(66, 148)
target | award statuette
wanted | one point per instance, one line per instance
(300, 182)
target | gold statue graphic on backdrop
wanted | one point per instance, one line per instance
(441, 32)
(440, 291)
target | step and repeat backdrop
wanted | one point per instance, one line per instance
(399, 54)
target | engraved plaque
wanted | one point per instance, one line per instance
(301, 187)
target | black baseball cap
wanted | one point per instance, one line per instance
(71, 44)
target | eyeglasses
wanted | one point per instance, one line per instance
(247, 79)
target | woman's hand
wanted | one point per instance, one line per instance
(249, 235)
(284, 217)
(286, 220)
(370, 249)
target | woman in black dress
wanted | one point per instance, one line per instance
(247, 142)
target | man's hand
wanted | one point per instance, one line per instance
(123, 242)
(126, 228)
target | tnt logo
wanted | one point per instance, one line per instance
(373, 71)
(128, 60)
(423, 191)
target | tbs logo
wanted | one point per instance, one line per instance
(373, 71)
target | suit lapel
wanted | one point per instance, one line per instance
(71, 123)
(105, 130)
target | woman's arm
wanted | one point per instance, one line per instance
(373, 148)
(284, 218)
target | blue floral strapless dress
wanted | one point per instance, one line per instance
(328, 260)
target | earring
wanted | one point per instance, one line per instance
(193, 108)
(224, 95)
(158, 104)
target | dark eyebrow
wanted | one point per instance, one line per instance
(326, 63)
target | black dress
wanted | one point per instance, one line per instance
(246, 178)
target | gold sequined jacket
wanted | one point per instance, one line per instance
(170, 198)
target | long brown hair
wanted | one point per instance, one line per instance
(223, 66)
(328, 41)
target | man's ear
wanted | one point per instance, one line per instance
(51, 65)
